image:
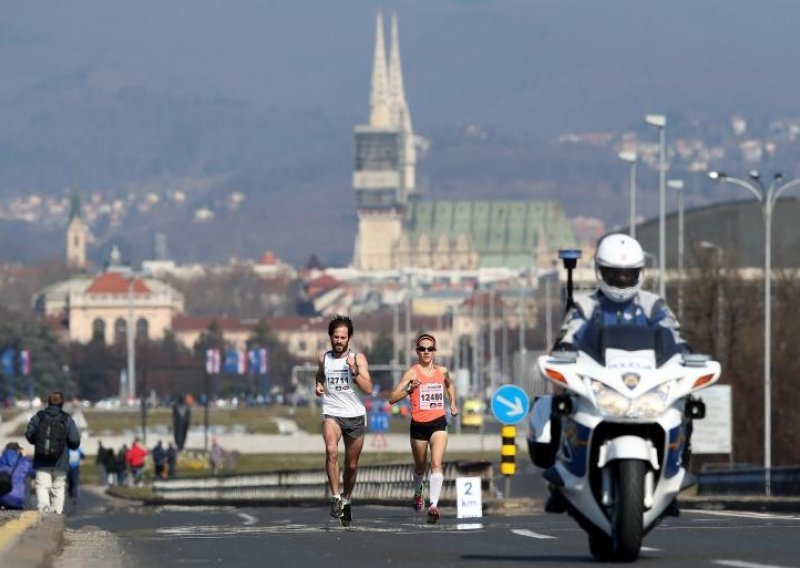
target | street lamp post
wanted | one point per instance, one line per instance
(766, 196)
(631, 158)
(131, 340)
(660, 122)
(677, 185)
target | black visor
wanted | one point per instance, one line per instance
(620, 277)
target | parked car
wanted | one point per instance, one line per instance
(472, 413)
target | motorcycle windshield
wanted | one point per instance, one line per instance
(597, 339)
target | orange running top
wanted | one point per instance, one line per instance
(427, 400)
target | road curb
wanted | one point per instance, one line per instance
(35, 539)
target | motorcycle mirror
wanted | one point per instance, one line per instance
(564, 356)
(695, 359)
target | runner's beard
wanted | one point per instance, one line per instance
(339, 349)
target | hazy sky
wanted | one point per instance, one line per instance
(556, 65)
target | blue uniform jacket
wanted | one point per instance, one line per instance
(645, 309)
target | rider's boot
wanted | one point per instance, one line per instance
(556, 503)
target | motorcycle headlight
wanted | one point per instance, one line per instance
(652, 403)
(609, 401)
(612, 403)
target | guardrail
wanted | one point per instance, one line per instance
(377, 484)
(784, 482)
(381, 484)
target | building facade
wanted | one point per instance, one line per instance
(86, 307)
(397, 229)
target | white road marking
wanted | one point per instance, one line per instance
(526, 532)
(468, 526)
(648, 549)
(248, 519)
(744, 514)
(742, 564)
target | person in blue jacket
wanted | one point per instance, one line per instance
(21, 469)
(619, 298)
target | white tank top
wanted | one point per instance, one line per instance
(340, 398)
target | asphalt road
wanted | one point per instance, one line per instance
(106, 532)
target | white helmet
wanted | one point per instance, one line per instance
(618, 264)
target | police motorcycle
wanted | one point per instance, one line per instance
(611, 442)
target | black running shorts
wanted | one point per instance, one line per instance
(424, 430)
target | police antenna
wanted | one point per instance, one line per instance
(570, 259)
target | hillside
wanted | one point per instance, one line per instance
(261, 98)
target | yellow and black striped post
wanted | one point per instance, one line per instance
(508, 453)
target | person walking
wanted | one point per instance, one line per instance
(340, 370)
(15, 472)
(217, 457)
(121, 465)
(159, 460)
(100, 463)
(172, 459)
(426, 384)
(53, 433)
(134, 458)
(111, 467)
(74, 473)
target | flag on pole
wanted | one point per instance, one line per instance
(212, 361)
(25, 362)
(258, 361)
(231, 363)
(263, 367)
(241, 362)
(7, 362)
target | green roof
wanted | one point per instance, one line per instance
(504, 233)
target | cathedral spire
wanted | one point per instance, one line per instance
(75, 206)
(379, 94)
(401, 117)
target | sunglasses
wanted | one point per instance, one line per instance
(426, 349)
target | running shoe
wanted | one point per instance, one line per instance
(336, 507)
(433, 515)
(347, 516)
(419, 500)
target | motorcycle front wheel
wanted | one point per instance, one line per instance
(628, 511)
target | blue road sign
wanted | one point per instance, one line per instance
(510, 404)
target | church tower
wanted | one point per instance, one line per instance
(384, 178)
(76, 236)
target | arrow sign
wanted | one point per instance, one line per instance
(510, 404)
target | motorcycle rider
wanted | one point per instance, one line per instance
(618, 300)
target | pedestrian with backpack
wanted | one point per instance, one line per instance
(53, 433)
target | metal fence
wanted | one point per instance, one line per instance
(377, 484)
(784, 482)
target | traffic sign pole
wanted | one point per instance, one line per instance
(510, 405)
(508, 453)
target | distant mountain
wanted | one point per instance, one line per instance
(261, 98)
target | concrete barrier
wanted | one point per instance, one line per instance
(377, 484)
